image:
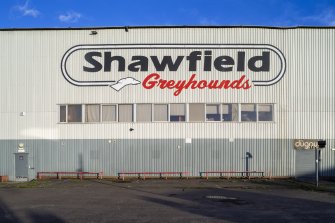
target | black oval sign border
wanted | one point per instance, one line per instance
(169, 46)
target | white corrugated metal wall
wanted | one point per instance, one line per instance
(32, 82)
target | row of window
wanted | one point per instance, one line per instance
(196, 112)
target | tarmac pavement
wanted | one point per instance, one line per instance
(192, 200)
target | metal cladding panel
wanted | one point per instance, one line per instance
(327, 159)
(32, 82)
(274, 157)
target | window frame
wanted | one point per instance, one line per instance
(116, 113)
(204, 115)
(220, 112)
(238, 112)
(187, 107)
(185, 114)
(135, 113)
(153, 112)
(59, 113)
(100, 114)
(82, 114)
(256, 111)
(132, 110)
(272, 112)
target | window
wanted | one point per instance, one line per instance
(213, 112)
(109, 113)
(230, 112)
(265, 112)
(92, 113)
(62, 113)
(161, 112)
(74, 113)
(177, 113)
(125, 113)
(197, 112)
(143, 113)
(248, 113)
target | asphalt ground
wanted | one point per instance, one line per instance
(192, 200)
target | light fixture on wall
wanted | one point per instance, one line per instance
(20, 148)
(126, 28)
(93, 32)
(248, 155)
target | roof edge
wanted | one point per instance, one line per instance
(168, 27)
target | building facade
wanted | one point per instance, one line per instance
(167, 99)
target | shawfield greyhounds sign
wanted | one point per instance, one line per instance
(175, 67)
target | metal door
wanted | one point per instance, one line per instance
(21, 165)
(305, 164)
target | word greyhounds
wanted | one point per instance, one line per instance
(195, 64)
